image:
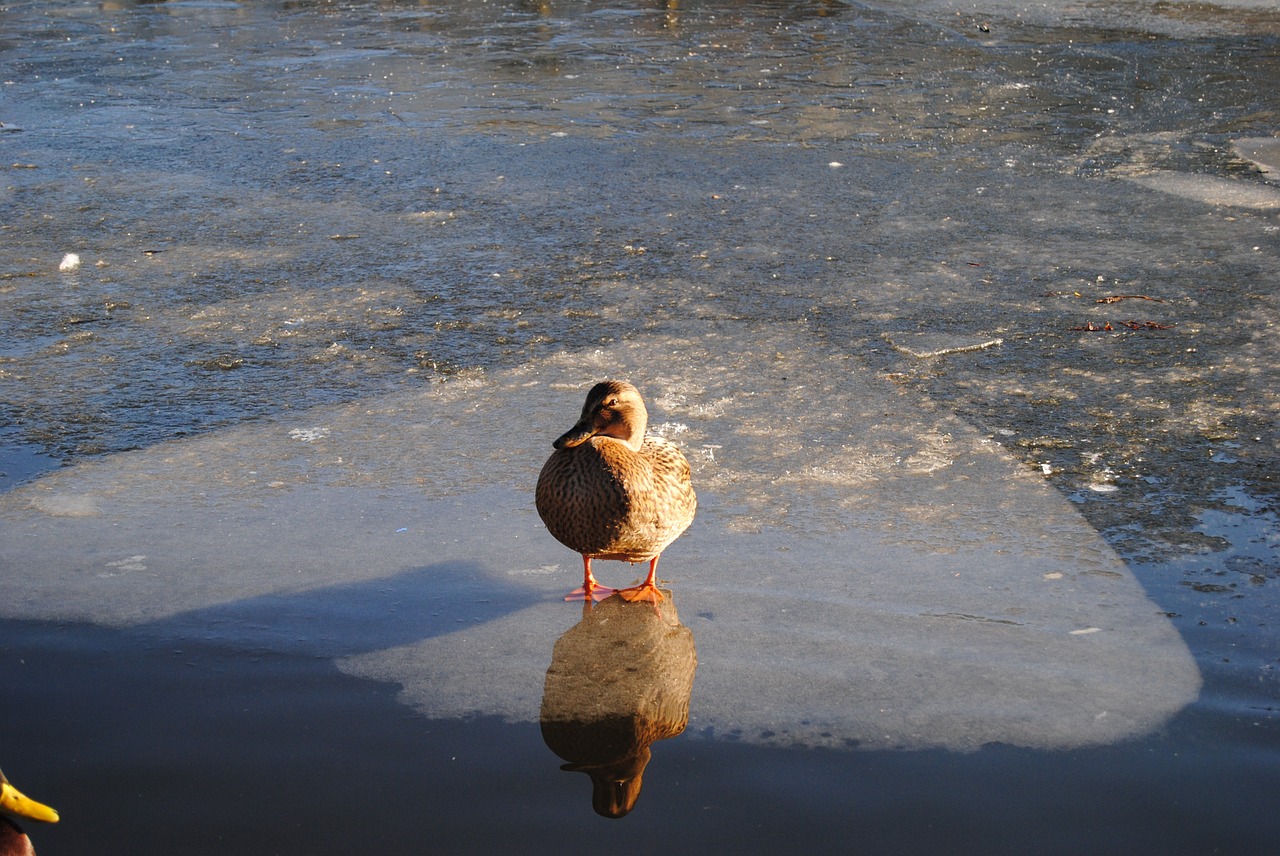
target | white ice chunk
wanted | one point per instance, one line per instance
(1212, 190)
(842, 589)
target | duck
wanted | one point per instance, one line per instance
(13, 841)
(610, 492)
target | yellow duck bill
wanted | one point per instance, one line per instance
(17, 804)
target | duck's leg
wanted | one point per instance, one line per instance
(647, 590)
(591, 590)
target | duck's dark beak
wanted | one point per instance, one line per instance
(575, 436)
(12, 801)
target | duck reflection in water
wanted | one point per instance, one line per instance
(619, 680)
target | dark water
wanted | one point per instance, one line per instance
(280, 207)
(279, 754)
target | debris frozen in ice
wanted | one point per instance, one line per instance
(129, 563)
(540, 571)
(667, 430)
(309, 435)
(67, 505)
(925, 345)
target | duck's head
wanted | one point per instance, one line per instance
(13, 804)
(615, 786)
(614, 408)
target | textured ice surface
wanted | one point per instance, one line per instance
(1263, 152)
(294, 218)
(1213, 191)
(901, 582)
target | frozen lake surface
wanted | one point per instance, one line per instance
(965, 319)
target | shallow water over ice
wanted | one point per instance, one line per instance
(965, 322)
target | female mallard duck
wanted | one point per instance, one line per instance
(608, 492)
(13, 841)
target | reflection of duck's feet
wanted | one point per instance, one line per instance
(593, 592)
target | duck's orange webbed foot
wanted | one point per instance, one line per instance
(643, 592)
(595, 592)
(647, 590)
(590, 589)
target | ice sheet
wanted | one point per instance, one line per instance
(871, 572)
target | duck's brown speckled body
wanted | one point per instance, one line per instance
(608, 492)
